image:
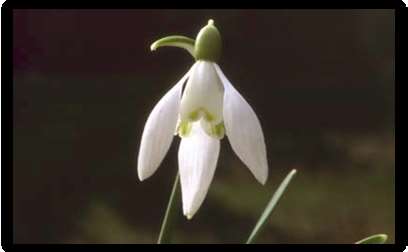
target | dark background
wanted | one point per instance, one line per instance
(320, 81)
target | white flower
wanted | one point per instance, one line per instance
(208, 106)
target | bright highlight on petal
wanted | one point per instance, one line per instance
(158, 131)
(244, 130)
(203, 94)
(198, 155)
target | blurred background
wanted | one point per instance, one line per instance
(320, 81)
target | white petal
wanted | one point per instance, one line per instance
(244, 130)
(198, 156)
(203, 92)
(158, 131)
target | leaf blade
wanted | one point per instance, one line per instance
(165, 233)
(374, 239)
(269, 208)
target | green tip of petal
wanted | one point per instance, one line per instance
(210, 22)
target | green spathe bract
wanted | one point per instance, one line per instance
(207, 45)
(176, 41)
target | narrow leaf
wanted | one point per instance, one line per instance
(165, 231)
(374, 239)
(269, 208)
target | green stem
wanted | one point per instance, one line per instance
(165, 234)
(271, 205)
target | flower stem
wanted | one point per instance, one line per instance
(271, 205)
(165, 234)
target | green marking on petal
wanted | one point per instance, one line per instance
(213, 130)
(195, 115)
(219, 130)
(184, 129)
(201, 112)
(208, 116)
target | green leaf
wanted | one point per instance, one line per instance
(374, 239)
(165, 231)
(269, 208)
(176, 41)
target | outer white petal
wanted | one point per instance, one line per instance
(244, 130)
(198, 156)
(159, 130)
(203, 91)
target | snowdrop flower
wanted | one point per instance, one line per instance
(208, 108)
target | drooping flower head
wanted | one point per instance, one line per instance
(207, 109)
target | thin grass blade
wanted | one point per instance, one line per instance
(269, 208)
(165, 231)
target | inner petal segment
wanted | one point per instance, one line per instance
(203, 95)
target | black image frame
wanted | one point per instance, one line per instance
(7, 113)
